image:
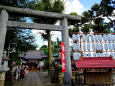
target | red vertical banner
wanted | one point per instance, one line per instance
(63, 56)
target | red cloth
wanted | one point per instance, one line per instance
(29, 69)
(95, 63)
(36, 69)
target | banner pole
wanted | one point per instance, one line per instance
(66, 71)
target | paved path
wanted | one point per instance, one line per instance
(31, 80)
(35, 79)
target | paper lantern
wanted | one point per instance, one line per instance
(94, 54)
(107, 55)
(93, 47)
(87, 38)
(100, 46)
(110, 46)
(83, 38)
(106, 46)
(96, 37)
(105, 37)
(108, 37)
(100, 38)
(74, 37)
(112, 54)
(77, 37)
(97, 46)
(98, 54)
(88, 46)
(84, 47)
(75, 56)
(92, 38)
(113, 46)
(84, 55)
(112, 37)
(89, 55)
(77, 46)
(74, 46)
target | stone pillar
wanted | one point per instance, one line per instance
(3, 28)
(65, 39)
(2, 78)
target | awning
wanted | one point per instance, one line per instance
(95, 63)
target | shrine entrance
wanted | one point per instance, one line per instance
(4, 23)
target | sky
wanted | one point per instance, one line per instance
(77, 6)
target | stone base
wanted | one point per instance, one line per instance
(1, 82)
(2, 78)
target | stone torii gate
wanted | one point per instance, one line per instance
(4, 23)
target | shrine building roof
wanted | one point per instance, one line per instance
(95, 63)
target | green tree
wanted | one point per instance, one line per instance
(16, 38)
(95, 18)
(45, 49)
(56, 46)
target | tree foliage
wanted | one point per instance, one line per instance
(15, 3)
(49, 6)
(56, 46)
(18, 40)
(45, 49)
(99, 18)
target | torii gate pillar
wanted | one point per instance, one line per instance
(3, 28)
(65, 39)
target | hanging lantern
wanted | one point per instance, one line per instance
(84, 47)
(74, 37)
(100, 38)
(92, 38)
(110, 46)
(106, 46)
(88, 46)
(83, 37)
(105, 37)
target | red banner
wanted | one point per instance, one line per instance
(63, 56)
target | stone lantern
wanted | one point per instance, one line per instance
(4, 68)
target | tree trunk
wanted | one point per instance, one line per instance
(49, 52)
(49, 48)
